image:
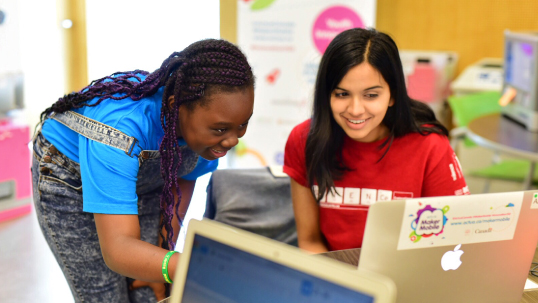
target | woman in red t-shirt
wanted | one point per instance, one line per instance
(367, 141)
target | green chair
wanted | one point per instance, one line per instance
(469, 107)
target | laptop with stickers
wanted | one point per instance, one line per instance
(474, 248)
(224, 264)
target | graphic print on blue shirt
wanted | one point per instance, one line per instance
(108, 187)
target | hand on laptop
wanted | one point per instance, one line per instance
(158, 288)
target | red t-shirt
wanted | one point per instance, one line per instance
(415, 166)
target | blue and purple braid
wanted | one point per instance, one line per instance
(203, 68)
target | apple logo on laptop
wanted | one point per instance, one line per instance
(451, 259)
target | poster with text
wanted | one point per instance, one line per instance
(284, 41)
(442, 221)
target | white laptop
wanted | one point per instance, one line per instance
(475, 248)
(223, 264)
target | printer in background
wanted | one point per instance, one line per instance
(482, 76)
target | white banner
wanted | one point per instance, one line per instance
(441, 221)
(283, 41)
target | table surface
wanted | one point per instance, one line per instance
(351, 256)
(500, 133)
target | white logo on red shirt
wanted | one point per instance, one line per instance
(350, 197)
(335, 196)
(368, 196)
(456, 166)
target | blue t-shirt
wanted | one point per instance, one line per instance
(108, 174)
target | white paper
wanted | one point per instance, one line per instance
(534, 203)
(277, 171)
(446, 221)
(529, 285)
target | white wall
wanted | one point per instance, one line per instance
(40, 55)
(10, 60)
(124, 35)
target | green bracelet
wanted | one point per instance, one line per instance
(165, 266)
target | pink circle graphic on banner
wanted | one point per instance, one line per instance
(331, 22)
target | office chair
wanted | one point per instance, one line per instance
(253, 200)
(469, 107)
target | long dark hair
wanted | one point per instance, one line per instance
(325, 139)
(204, 67)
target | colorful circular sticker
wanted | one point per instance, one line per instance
(331, 22)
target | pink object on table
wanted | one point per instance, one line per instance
(15, 212)
(421, 84)
(15, 166)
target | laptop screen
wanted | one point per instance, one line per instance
(224, 274)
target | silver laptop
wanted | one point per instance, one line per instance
(220, 263)
(475, 248)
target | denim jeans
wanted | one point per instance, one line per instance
(71, 233)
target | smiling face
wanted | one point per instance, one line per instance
(359, 103)
(212, 129)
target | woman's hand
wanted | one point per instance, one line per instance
(306, 211)
(121, 233)
(158, 288)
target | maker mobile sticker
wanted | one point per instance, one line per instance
(534, 202)
(443, 221)
(430, 221)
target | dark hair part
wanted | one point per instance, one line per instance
(325, 139)
(203, 68)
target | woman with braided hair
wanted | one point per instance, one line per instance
(115, 166)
